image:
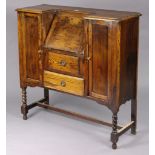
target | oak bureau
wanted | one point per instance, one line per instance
(92, 53)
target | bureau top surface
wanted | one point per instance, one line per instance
(90, 12)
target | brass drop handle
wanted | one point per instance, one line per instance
(63, 63)
(63, 83)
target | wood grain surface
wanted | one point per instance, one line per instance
(64, 83)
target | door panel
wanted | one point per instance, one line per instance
(31, 46)
(99, 59)
(98, 64)
(31, 42)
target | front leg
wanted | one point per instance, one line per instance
(114, 136)
(46, 95)
(24, 109)
(134, 115)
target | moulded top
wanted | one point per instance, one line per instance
(111, 14)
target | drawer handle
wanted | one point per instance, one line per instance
(63, 83)
(63, 63)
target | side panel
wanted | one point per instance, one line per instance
(47, 19)
(129, 59)
(21, 49)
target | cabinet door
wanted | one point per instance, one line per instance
(29, 26)
(32, 31)
(98, 59)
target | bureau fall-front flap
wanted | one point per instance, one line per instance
(66, 32)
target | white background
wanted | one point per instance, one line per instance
(12, 66)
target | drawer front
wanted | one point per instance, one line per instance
(64, 83)
(62, 62)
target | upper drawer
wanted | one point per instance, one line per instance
(61, 62)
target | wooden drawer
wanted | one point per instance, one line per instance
(61, 62)
(64, 83)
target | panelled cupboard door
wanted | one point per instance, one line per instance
(97, 51)
(30, 42)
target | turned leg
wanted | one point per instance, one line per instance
(134, 115)
(24, 109)
(46, 95)
(114, 137)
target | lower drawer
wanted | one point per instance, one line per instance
(65, 83)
